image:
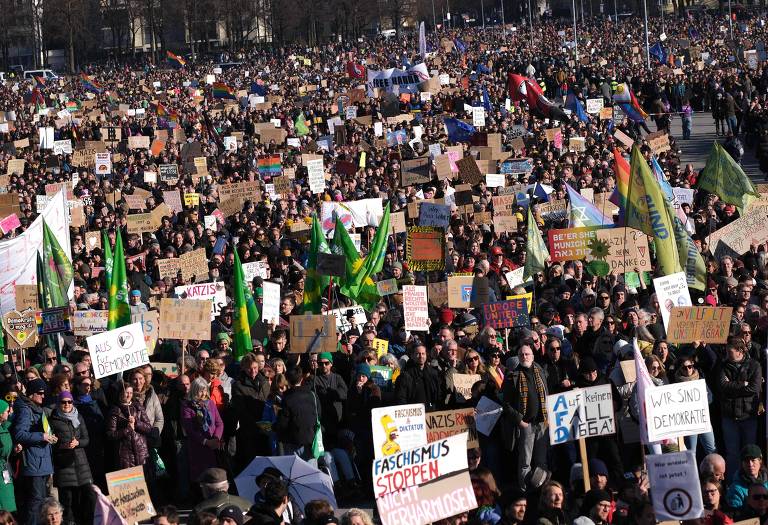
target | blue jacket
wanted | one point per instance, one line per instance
(736, 495)
(27, 429)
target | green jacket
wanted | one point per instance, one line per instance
(7, 498)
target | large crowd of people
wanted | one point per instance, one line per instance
(195, 428)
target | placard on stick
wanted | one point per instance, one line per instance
(129, 494)
(312, 333)
(699, 323)
(185, 319)
(331, 264)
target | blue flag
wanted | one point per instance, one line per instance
(458, 130)
(540, 192)
(486, 100)
(483, 69)
(574, 104)
(657, 51)
(461, 47)
(659, 174)
(583, 212)
(258, 89)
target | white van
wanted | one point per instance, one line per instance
(47, 74)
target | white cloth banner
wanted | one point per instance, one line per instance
(353, 214)
(18, 264)
(397, 80)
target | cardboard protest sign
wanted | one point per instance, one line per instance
(659, 142)
(580, 413)
(750, 228)
(139, 223)
(213, 292)
(243, 190)
(415, 308)
(21, 327)
(398, 428)
(438, 293)
(331, 264)
(150, 326)
(413, 467)
(89, 322)
(677, 410)
(676, 493)
(554, 210)
(386, 287)
(506, 314)
(627, 249)
(25, 296)
(185, 319)
(699, 323)
(671, 291)
(194, 264)
(594, 105)
(415, 171)
(441, 425)
(312, 333)
(421, 505)
(571, 244)
(425, 248)
(463, 384)
(436, 215)
(168, 267)
(469, 171)
(129, 495)
(118, 350)
(459, 291)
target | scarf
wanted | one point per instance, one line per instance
(203, 415)
(72, 416)
(85, 399)
(540, 389)
(680, 377)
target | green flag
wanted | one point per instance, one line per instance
(119, 307)
(363, 269)
(300, 125)
(724, 177)
(108, 260)
(314, 284)
(363, 292)
(648, 212)
(57, 269)
(691, 260)
(241, 324)
(536, 253)
(44, 299)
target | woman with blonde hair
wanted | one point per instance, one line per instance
(552, 505)
(203, 426)
(356, 517)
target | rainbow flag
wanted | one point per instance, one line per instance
(175, 59)
(621, 169)
(221, 90)
(162, 111)
(625, 98)
(270, 165)
(72, 106)
(90, 84)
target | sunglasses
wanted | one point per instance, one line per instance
(554, 348)
(66, 402)
(688, 367)
(82, 373)
(324, 363)
(42, 393)
(473, 358)
(496, 354)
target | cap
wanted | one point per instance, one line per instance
(213, 475)
(751, 452)
(232, 512)
(397, 265)
(3, 405)
(587, 365)
(223, 336)
(363, 369)
(496, 250)
(325, 355)
(597, 467)
(135, 293)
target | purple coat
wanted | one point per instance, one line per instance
(200, 456)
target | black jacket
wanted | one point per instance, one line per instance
(416, 385)
(262, 515)
(297, 419)
(71, 468)
(248, 396)
(739, 387)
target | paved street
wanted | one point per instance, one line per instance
(696, 150)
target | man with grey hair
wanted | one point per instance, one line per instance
(712, 466)
(214, 486)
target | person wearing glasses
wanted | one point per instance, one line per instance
(597, 506)
(685, 370)
(751, 472)
(92, 412)
(561, 372)
(72, 473)
(30, 429)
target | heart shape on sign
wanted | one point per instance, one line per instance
(19, 326)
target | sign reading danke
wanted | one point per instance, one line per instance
(118, 350)
(677, 410)
(580, 413)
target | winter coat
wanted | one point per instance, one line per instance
(331, 391)
(248, 396)
(95, 423)
(27, 429)
(132, 449)
(7, 497)
(736, 496)
(297, 419)
(739, 387)
(418, 386)
(71, 464)
(154, 409)
(200, 456)
(263, 515)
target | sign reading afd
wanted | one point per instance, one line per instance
(580, 413)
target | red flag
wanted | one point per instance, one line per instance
(522, 88)
(355, 70)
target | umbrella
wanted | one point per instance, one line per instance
(305, 482)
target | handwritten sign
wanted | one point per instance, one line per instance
(129, 494)
(506, 314)
(627, 249)
(118, 350)
(89, 322)
(185, 319)
(699, 323)
(463, 384)
(580, 413)
(415, 308)
(441, 425)
(677, 410)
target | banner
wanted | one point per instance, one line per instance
(677, 410)
(571, 244)
(396, 80)
(671, 291)
(441, 425)
(213, 292)
(580, 413)
(419, 465)
(19, 254)
(415, 308)
(676, 493)
(699, 323)
(507, 314)
(118, 350)
(398, 428)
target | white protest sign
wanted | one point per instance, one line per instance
(118, 350)
(103, 163)
(398, 428)
(478, 116)
(62, 147)
(315, 176)
(594, 105)
(676, 493)
(271, 307)
(420, 465)
(677, 410)
(415, 308)
(254, 269)
(488, 413)
(213, 292)
(580, 413)
(671, 291)
(342, 322)
(495, 180)
(515, 277)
